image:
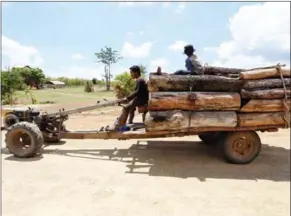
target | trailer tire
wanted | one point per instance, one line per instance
(241, 147)
(210, 138)
(24, 140)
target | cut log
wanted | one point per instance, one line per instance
(267, 67)
(264, 73)
(257, 105)
(179, 120)
(260, 119)
(206, 83)
(194, 101)
(212, 70)
(265, 94)
(266, 83)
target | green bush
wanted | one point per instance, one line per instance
(10, 82)
(124, 84)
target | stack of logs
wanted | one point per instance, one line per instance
(221, 98)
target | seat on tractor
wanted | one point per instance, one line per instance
(144, 110)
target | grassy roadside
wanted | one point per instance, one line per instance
(65, 95)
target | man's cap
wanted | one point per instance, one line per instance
(188, 47)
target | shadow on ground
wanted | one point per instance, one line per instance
(187, 160)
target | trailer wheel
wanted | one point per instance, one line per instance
(210, 138)
(24, 140)
(241, 147)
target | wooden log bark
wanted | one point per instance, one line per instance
(265, 94)
(206, 83)
(260, 119)
(257, 105)
(212, 70)
(264, 73)
(266, 83)
(194, 101)
(179, 120)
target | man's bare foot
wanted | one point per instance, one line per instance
(159, 71)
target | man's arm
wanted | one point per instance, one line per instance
(133, 95)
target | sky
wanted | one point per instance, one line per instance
(62, 37)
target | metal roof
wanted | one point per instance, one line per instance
(55, 82)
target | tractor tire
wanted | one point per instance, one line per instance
(9, 120)
(211, 138)
(241, 147)
(24, 140)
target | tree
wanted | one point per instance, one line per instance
(94, 81)
(31, 76)
(124, 85)
(10, 82)
(143, 70)
(108, 56)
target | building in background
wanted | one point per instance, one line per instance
(54, 84)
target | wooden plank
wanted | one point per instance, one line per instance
(264, 73)
(182, 119)
(257, 105)
(265, 94)
(142, 134)
(194, 101)
(203, 83)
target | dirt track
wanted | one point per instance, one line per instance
(155, 177)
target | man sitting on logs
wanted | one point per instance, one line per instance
(193, 66)
(139, 98)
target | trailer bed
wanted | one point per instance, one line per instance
(141, 133)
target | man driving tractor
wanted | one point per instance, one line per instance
(139, 98)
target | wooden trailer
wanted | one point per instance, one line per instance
(239, 145)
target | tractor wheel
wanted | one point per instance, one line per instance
(210, 138)
(24, 140)
(241, 147)
(9, 120)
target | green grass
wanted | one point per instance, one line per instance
(65, 95)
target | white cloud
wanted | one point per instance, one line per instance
(131, 51)
(260, 36)
(161, 62)
(180, 8)
(141, 32)
(77, 56)
(19, 55)
(178, 46)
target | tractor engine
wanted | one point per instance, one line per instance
(19, 115)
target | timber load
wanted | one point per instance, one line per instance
(221, 98)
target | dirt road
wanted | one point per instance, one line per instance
(147, 178)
